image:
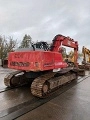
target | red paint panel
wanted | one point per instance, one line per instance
(59, 63)
(25, 60)
(35, 60)
(48, 60)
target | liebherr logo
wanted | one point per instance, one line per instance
(69, 43)
(20, 64)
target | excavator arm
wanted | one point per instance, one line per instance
(65, 41)
(85, 52)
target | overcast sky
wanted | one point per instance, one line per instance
(43, 19)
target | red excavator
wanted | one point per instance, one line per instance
(42, 66)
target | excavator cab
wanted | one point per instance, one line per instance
(41, 45)
(38, 46)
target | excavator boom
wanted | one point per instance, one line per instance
(65, 41)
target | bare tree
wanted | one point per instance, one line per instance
(6, 46)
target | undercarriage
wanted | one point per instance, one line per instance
(44, 83)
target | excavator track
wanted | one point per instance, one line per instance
(15, 78)
(44, 85)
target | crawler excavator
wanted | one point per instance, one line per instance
(86, 58)
(42, 66)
